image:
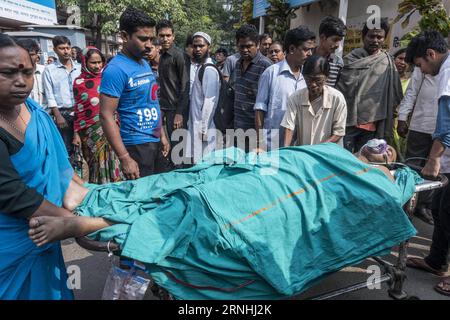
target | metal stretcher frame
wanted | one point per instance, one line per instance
(393, 274)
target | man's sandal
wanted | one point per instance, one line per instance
(419, 263)
(443, 287)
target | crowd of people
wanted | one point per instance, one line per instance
(154, 108)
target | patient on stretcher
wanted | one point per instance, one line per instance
(224, 222)
(48, 229)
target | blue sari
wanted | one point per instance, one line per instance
(26, 271)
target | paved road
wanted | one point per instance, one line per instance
(94, 267)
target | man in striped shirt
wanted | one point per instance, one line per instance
(249, 69)
(331, 31)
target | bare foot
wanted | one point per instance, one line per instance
(48, 229)
(44, 230)
(74, 196)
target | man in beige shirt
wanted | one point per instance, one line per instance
(318, 112)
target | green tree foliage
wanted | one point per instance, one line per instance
(102, 16)
(215, 17)
(279, 16)
(188, 16)
(247, 13)
(433, 16)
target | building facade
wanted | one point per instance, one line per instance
(354, 12)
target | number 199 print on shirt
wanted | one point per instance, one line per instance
(147, 118)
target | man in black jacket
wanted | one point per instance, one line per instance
(173, 79)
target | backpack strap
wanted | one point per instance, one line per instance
(201, 72)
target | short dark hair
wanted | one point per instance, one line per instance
(155, 42)
(384, 25)
(28, 44)
(164, 24)
(298, 36)
(429, 39)
(58, 40)
(247, 31)
(316, 62)
(332, 26)
(278, 43)
(264, 36)
(132, 18)
(222, 50)
(189, 40)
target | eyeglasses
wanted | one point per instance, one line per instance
(317, 80)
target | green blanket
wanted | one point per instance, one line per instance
(240, 226)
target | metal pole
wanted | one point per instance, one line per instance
(261, 25)
(343, 10)
(355, 287)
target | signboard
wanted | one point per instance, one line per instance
(298, 3)
(40, 12)
(259, 8)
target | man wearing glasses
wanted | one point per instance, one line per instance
(317, 112)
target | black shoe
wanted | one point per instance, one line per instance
(425, 215)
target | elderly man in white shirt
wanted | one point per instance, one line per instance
(318, 112)
(203, 100)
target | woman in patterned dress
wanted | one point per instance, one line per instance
(103, 163)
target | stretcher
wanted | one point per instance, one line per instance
(393, 274)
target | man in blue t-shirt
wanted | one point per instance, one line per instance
(129, 88)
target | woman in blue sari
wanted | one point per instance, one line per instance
(34, 176)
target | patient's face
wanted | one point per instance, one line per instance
(389, 156)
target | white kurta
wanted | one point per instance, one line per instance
(203, 103)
